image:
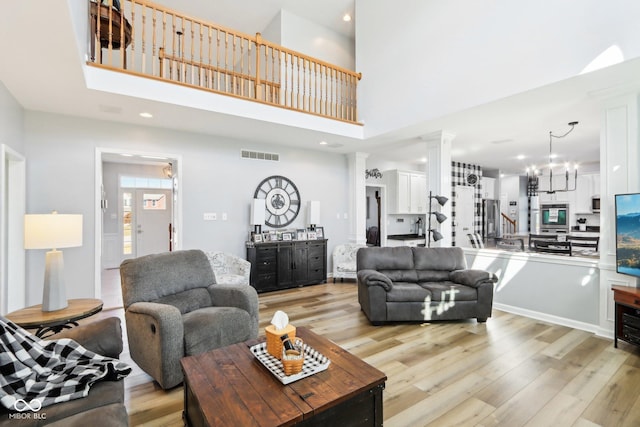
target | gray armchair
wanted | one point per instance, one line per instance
(173, 308)
(229, 269)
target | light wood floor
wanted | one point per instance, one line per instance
(510, 371)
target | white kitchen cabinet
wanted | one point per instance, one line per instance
(488, 187)
(406, 191)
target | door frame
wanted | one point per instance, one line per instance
(13, 179)
(177, 204)
(383, 210)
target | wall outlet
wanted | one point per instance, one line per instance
(210, 216)
(224, 216)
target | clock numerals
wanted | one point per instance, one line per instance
(282, 200)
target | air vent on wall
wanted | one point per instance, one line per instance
(247, 154)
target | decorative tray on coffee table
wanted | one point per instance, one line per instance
(314, 362)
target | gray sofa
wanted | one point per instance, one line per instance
(103, 406)
(421, 284)
(174, 308)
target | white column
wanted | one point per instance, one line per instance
(619, 173)
(438, 169)
(357, 197)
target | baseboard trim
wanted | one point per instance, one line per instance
(562, 321)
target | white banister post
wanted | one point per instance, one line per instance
(619, 173)
(357, 197)
(438, 170)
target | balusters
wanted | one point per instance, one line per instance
(214, 86)
(217, 59)
(164, 42)
(192, 81)
(143, 42)
(153, 41)
(202, 74)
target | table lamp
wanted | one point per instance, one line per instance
(53, 231)
(257, 214)
(313, 212)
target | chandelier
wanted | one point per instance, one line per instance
(534, 174)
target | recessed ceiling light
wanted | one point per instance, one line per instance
(146, 115)
(346, 17)
(126, 155)
(323, 143)
(521, 157)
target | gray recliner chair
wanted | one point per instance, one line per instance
(174, 308)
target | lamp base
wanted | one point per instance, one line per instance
(54, 296)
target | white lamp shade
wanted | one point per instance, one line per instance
(257, 211)
(52, 231)
(313, 211)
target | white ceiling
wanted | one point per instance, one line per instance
(490, 135)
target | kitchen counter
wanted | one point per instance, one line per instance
(405, 237)
(590, 229)
(412, 240)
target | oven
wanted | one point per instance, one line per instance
(554, 218)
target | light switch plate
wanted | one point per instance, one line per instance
(211, 216)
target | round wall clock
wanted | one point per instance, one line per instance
(282, 200)
(472, 179)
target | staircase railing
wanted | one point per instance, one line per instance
(508, 225)
(143, 38)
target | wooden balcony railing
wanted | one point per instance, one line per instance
(142, 38)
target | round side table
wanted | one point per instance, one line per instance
(52, 322)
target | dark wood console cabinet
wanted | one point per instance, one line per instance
(627, 320)
(282, 265)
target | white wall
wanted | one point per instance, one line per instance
(464, 53)
(314, 40)
(60, 175)
(11, 121)
(552, 288)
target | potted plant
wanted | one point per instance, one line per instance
(582, 224)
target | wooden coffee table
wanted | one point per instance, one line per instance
(229, 386)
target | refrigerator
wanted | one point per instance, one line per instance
(490, 219)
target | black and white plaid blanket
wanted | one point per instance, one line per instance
(43, 372)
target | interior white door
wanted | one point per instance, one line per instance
(153, 212)
(464, 215)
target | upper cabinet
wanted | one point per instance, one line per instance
(406, 191)
(488, 187)
(588, 186)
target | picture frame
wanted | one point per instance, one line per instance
(319, 233)
(286, 236)
(301, 234)
(311, 235)
(256, 237)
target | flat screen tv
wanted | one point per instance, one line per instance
(628, 234)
